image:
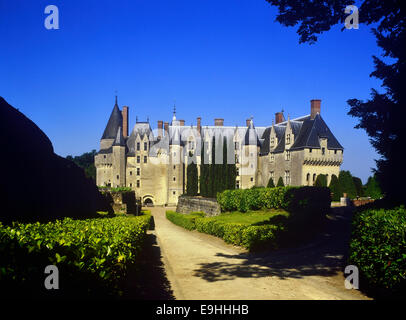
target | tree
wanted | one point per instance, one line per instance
(372, 188)
(86, 162)
(321, 181)
(270, 183)
(382, 115)
(358, 186)
(280, 182)
(347, 184)
(192, 178)
(335, 188)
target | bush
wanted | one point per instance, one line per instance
(92, 256)
(271, 184)
(280, 182)
(378, 249)
(321, 181)
(186, 221)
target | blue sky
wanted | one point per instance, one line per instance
(224, 58)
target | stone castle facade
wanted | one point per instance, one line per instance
(154, 162)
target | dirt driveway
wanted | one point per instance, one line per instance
(203, 267)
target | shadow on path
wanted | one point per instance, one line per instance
(325, 255)
(148, 280)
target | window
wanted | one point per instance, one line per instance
(174, 178)
(236, 159)
(174, 192)
(118, 177)
(237, 184)
(272, 174)
(308, 177)
(335, 151)
(314, 177)
(174, 167)
(251, 154)
(138, 159)
(237, 171)
(138, 183)
(310, 150)
(287, 156)
(236, 146)
(104, 156)
(272, 142)
(272, 157)
(131, 173)
(287, 178)
(138, 146)
(288, 138)
(131, 184)
(252, 166)
(145, 159)
(252, 179)
(145, 146)
(191, 145)
(323, 151)
(138, 171)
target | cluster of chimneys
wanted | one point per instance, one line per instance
(315, 106)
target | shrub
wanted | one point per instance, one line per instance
(270, 183)
(335, 188)
(92, 255)
(321, 181)
(378, 249)
(280, 182)
(186, 221)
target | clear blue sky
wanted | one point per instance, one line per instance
(217, 58)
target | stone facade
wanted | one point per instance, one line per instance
(196, 204)
(154, 163)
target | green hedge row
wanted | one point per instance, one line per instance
(92, 256)
(292, 199)
(378, 249)
(250, 237)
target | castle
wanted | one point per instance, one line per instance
(154, 162)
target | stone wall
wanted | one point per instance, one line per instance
(123, 202)
(196, 204)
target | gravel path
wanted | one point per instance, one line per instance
(202, 267)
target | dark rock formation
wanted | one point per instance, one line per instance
(36, 184)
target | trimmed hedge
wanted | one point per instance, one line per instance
(92, 256)
(248, 236)
(292, 199)
(186, 221)
(378, 249)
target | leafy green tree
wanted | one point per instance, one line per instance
(335, 188)
(372, 188)
(270, 183)
(86, 162)
(347, 184)
(381, 116)
(358, 186)
(280, 182)
(192, 178)
(321, 181)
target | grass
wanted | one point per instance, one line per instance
(251, 217)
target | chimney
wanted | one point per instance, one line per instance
(182, 122)
(315, 106)
(199, 124)
(218, 122)
(125, 121)
(160, 126)
(166, 128)
(279, 117)
(247, 122)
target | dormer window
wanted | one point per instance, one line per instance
(288, 138)
(272, 142)
(287, 156)
(323, 151)
(138, 146)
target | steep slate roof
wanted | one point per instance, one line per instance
(310, 133)
(115, 121)
(251, 136)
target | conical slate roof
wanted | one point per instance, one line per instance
(119, 138)
(115, 121)
(251, 137)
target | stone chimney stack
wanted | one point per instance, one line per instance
(218, 122)
(182, 123)
(279, 117)
(247, 122)
(160, 127)
(166, 128)
(315, 106)
(199, 124)
(125, 121)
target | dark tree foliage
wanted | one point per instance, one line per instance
(347, 184)
(383, 114)
(321, 181)
(192, 177)
(203, 172)
(270, 183)
(358, 186)
(280, 182)
(335, 188)
(86, 162)
(372, 188)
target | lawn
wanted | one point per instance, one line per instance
(260, 217)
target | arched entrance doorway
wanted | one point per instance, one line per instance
(148, 202)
